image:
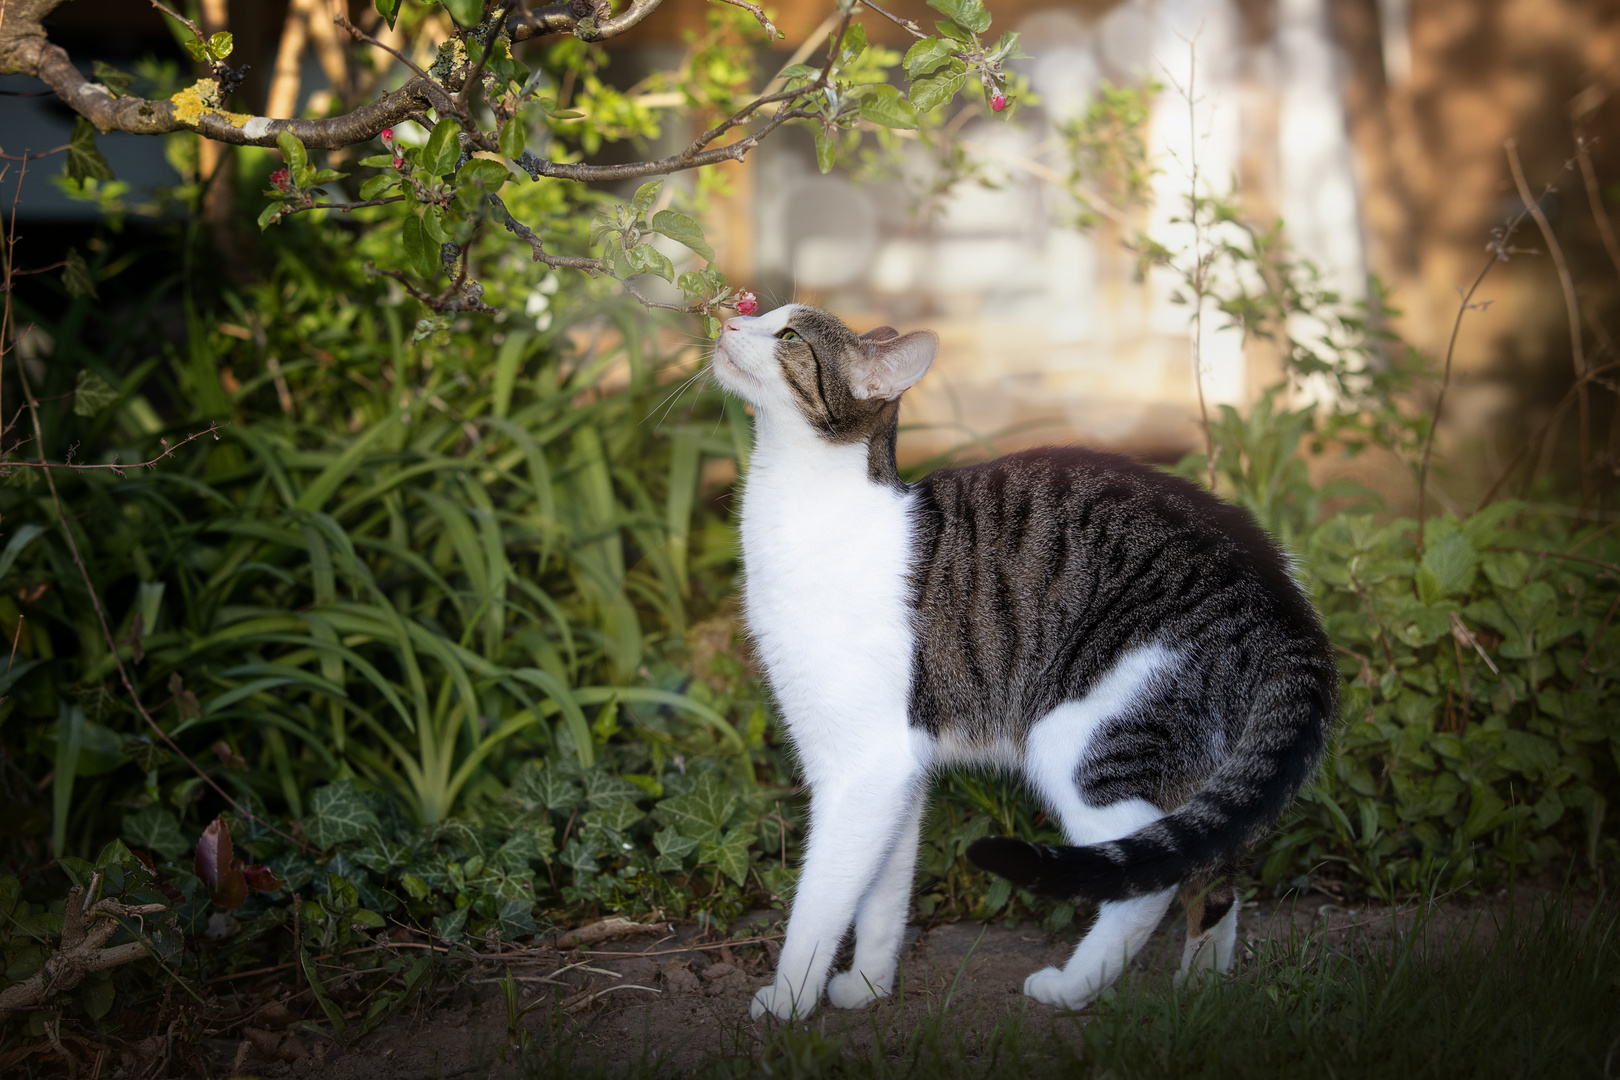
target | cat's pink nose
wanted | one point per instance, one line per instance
(735, 323)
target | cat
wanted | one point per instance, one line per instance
(1135, 647)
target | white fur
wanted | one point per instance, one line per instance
(1212, 950)
(826, 554)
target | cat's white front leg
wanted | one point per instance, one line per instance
(856, 821)
(880, 923)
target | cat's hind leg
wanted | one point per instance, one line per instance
(1054, 749)
(1212, 912)
(880, 924)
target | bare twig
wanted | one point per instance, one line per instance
(1571, 310)
(763, 19)
(360, 35)
(115, 467)
(1543, 432)
(1499, 249)
(905, 24)
(85, 929)
(33, 157)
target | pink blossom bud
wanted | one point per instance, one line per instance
(998, 102)
(388, 136)
(399, 162)
(747, 303)
(280, 179)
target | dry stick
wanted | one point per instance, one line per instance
(1595, 201)
(34, 157)
(1571, 309)
(78, 560)
(1541, 434)
(1498, 248)
(1199, 268)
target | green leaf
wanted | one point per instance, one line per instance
(113, 79)
(414, 887)
(1449, 564)
(797, 71)
(420, 251)
(927, 56)
(673, 846)
(684, 230)
(292, 151)
(337, 814)
(465, 12)
(969, 14)
(389, 10)
(826, 149)
(936, 90)
(646, 259)
(24, 536)
(155, 829)
(702, 814)
(482, 174)
(84, 161)
(76, 276)
(96, 994)
(443, 148)
(602, 788)
(546, 787)
(220, 45)
(645, 196)
(883, 105)
(511, 138)
(729, 854)
(515, 919)
(198, 49)
(853, 44)
(91, 393)
(377, 185)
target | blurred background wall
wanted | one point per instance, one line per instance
(1374, 129)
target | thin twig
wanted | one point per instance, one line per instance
(905, 24)
(1571, 310)
(35, 157)
(1595, 200)
(763, 19)
(1542, 433)
(360, 35)
(211, 429)
(196, 31)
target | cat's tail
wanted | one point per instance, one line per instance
(1278, 752)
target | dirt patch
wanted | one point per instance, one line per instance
(685, 998)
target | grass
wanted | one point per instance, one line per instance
(1534, 993)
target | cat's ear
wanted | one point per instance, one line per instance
(888, 368)
(880, 333)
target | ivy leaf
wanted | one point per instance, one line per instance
(155, 829)
(112, 78)
(515, 919)
(451, 927)
(389, 10)
(926, 56)
(702, 814)
(84, 161)
(729, 854)
(683, 230)
(546, 787)
(603, 789)
(337, 814)
(884, 105)
(91, 393)
(443, 148)
(76, 276)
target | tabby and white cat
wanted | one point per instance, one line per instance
(1135, 647)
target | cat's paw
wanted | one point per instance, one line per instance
(781, 1001)
(1053, 986)
(852, 990)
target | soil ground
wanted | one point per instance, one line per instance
(684, 997)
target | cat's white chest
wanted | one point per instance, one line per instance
(826, 557)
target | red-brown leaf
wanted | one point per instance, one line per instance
(217, 868)
(262, 878)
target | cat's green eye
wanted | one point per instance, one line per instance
(788, 335)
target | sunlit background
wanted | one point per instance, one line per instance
(1373, 129)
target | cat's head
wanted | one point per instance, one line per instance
(801, 361)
